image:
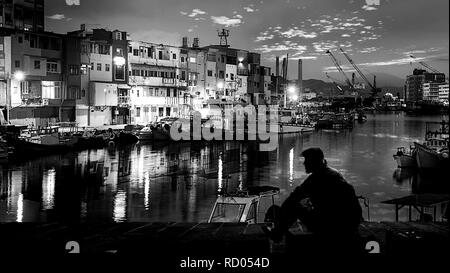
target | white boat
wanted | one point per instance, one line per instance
(405, 158)
(243, 206)
(145, 134)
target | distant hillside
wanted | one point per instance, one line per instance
(325, 88)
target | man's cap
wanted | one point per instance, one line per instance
(314, 154)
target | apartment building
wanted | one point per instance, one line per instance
(26, 15)
(97, 65)
(31, 73)
(154, 76)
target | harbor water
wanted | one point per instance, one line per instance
(179, 182)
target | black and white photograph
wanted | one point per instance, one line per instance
(224, 136)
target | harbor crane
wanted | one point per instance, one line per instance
(373, 86)
(427, 66)
(339, 68)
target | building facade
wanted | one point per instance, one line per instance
(443, 93)
(415, 82)
(26, 15)
(32, 81)
(154, 76)
(96, 66)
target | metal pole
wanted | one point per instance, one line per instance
(8, 97)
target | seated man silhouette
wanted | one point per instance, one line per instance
(324, 203)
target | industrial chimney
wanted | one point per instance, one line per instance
(300, 76)
(185, 42)
(195, 43)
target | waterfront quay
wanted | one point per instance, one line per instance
(171, 240)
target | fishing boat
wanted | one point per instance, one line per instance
(244, 206)
(406, 158)
(433, 153)
(43, 141)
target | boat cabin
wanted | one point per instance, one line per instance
(245, 206)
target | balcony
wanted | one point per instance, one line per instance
(124, 101)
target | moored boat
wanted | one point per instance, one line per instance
(432, 155)
(243, 206)
(405, 158)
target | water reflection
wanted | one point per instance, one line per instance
(179, 182)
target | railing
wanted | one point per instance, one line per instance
(124, 101)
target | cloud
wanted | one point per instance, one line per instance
(57, 17)
(238, 16)
(196, 12)
(286, 47)
(183, 13)
(264, 36)
(345, 35)
(249, 9)
(369, 8)
(223, 20)
(298, 33)
(73, 2)
(400, 61)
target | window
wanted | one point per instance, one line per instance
(37, 64)
(75, 69)
(221, 74)
(138, 112)
(210, 73)
(83, 93)
(99, 67)
(130, 49)
(135, 52)
(232, 76)
(107, 67)
(17, 64)
(174, 56)
(182, 59)
(24, 87)
(92, 66)
(119, 52)
(168, 111)
(168, 92)
(160, 55)
(192, 60)
(118, 36)
(52, 67)
(161, 113)
(183, 75)
(51, 90)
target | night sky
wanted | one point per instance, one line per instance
(378, 34)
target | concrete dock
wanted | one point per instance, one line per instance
(206, 238)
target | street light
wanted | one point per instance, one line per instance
(291, 89)
(19, 76)
(119, 61)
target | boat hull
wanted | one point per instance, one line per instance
(427, 158)
(405, 161)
